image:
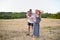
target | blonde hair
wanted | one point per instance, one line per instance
(38, 11)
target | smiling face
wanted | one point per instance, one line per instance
(37, 12)
(29, 13)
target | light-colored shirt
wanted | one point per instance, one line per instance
(31, 19)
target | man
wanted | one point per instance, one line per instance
(30, 20)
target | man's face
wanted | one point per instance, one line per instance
(30, 10)
(29, 13)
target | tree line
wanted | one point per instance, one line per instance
(18, 15)
(12, 15)
(50, 15)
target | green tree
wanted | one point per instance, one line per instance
(58, 15)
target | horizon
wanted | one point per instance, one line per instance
(50, 6)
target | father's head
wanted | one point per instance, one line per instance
(30, 11)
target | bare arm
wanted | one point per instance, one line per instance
(35, 18)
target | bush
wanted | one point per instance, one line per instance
(50, 15)
(58, 15)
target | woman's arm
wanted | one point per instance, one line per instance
(35, 18)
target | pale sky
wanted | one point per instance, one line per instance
(25, 5)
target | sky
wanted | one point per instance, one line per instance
(51, 6)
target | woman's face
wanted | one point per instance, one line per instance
(37, 12)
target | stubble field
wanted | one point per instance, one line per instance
(16, 29)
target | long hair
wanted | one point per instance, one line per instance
(39, 13)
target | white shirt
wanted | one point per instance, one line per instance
(31, 19)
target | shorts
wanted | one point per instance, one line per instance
(30, 24)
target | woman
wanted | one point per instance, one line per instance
(37, 20)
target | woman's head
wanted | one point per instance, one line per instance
(37, 12)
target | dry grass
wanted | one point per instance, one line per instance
(15, 29)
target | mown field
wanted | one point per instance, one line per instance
(16, 29)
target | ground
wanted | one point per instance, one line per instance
(16, 29)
